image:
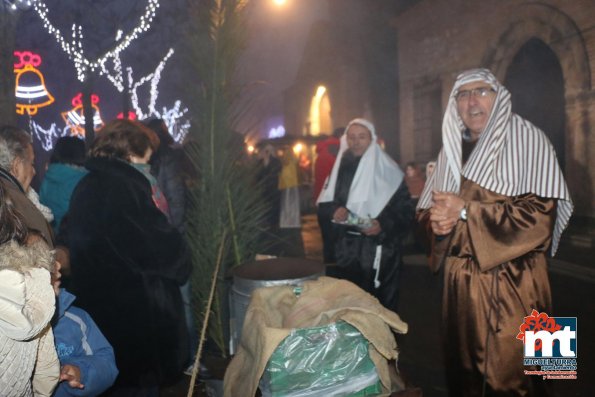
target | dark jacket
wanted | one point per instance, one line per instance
(268, 178)
(32, 216)
(127, 265)
(166, 165)
(355, 252)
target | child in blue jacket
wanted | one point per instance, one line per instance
(87, 361)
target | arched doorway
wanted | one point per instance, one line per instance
(536, 84)
(319, 118)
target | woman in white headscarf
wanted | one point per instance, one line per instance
(369, 203)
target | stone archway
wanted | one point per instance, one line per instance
(319, 118)
(560, 34)
(534, 79)
(553, 28)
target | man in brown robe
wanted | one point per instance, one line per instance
(494, 205)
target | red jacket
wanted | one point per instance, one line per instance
(326, 152)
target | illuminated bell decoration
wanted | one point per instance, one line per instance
(30, 90)
(75, 118)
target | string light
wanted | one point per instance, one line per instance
(14, 5)
(154, 78)
(46, 137)
(74, 48)
(175, 117)
(177, 125)
(116, 79)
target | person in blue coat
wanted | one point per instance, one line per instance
(63, 174)
(87, 361)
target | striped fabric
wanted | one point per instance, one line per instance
(512, 156)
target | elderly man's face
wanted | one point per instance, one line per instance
(23, 169)
(358, 139)
(474, 104)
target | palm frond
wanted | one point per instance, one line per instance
(225, 205)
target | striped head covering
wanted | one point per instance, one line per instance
(512, 156)
(376, 180)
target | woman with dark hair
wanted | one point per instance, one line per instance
(12, 226)
(64, 172)
(128, 261)
(28, 361)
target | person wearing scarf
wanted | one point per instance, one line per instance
(495, 203)
(368, 201)
(129, 261)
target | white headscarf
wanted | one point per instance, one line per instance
(376, 180)
(512, 156)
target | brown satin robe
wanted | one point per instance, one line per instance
(495, 273)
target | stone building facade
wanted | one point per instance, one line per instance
(543, 51)
(353, 55)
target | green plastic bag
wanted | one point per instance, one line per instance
(330, 360)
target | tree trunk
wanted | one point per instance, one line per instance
(88, 111)
(8, 22)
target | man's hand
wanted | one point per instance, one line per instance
(373, 230)
(445, 212)
(340, 214)
(72, 375)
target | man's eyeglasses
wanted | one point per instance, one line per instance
(479, 92)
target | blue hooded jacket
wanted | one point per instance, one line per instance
(80, 342)
(57, 187)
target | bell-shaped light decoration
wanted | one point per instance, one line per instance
(30, 90)
(75, 118)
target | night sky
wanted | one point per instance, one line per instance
(275, 40)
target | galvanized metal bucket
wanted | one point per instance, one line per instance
(264, 273)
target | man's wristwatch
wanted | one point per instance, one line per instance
(463, 214)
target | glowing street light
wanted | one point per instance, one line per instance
(297, 148)
(280, 2)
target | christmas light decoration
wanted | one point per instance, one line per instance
(174, 118)
(116, 79)
(46, 137)
(154, 92)
(177, 125)
(75, 118)
(30, 90)
(74, 48)
(131, 116)
(14, 5)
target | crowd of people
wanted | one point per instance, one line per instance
(107, 228)
(115, 242)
